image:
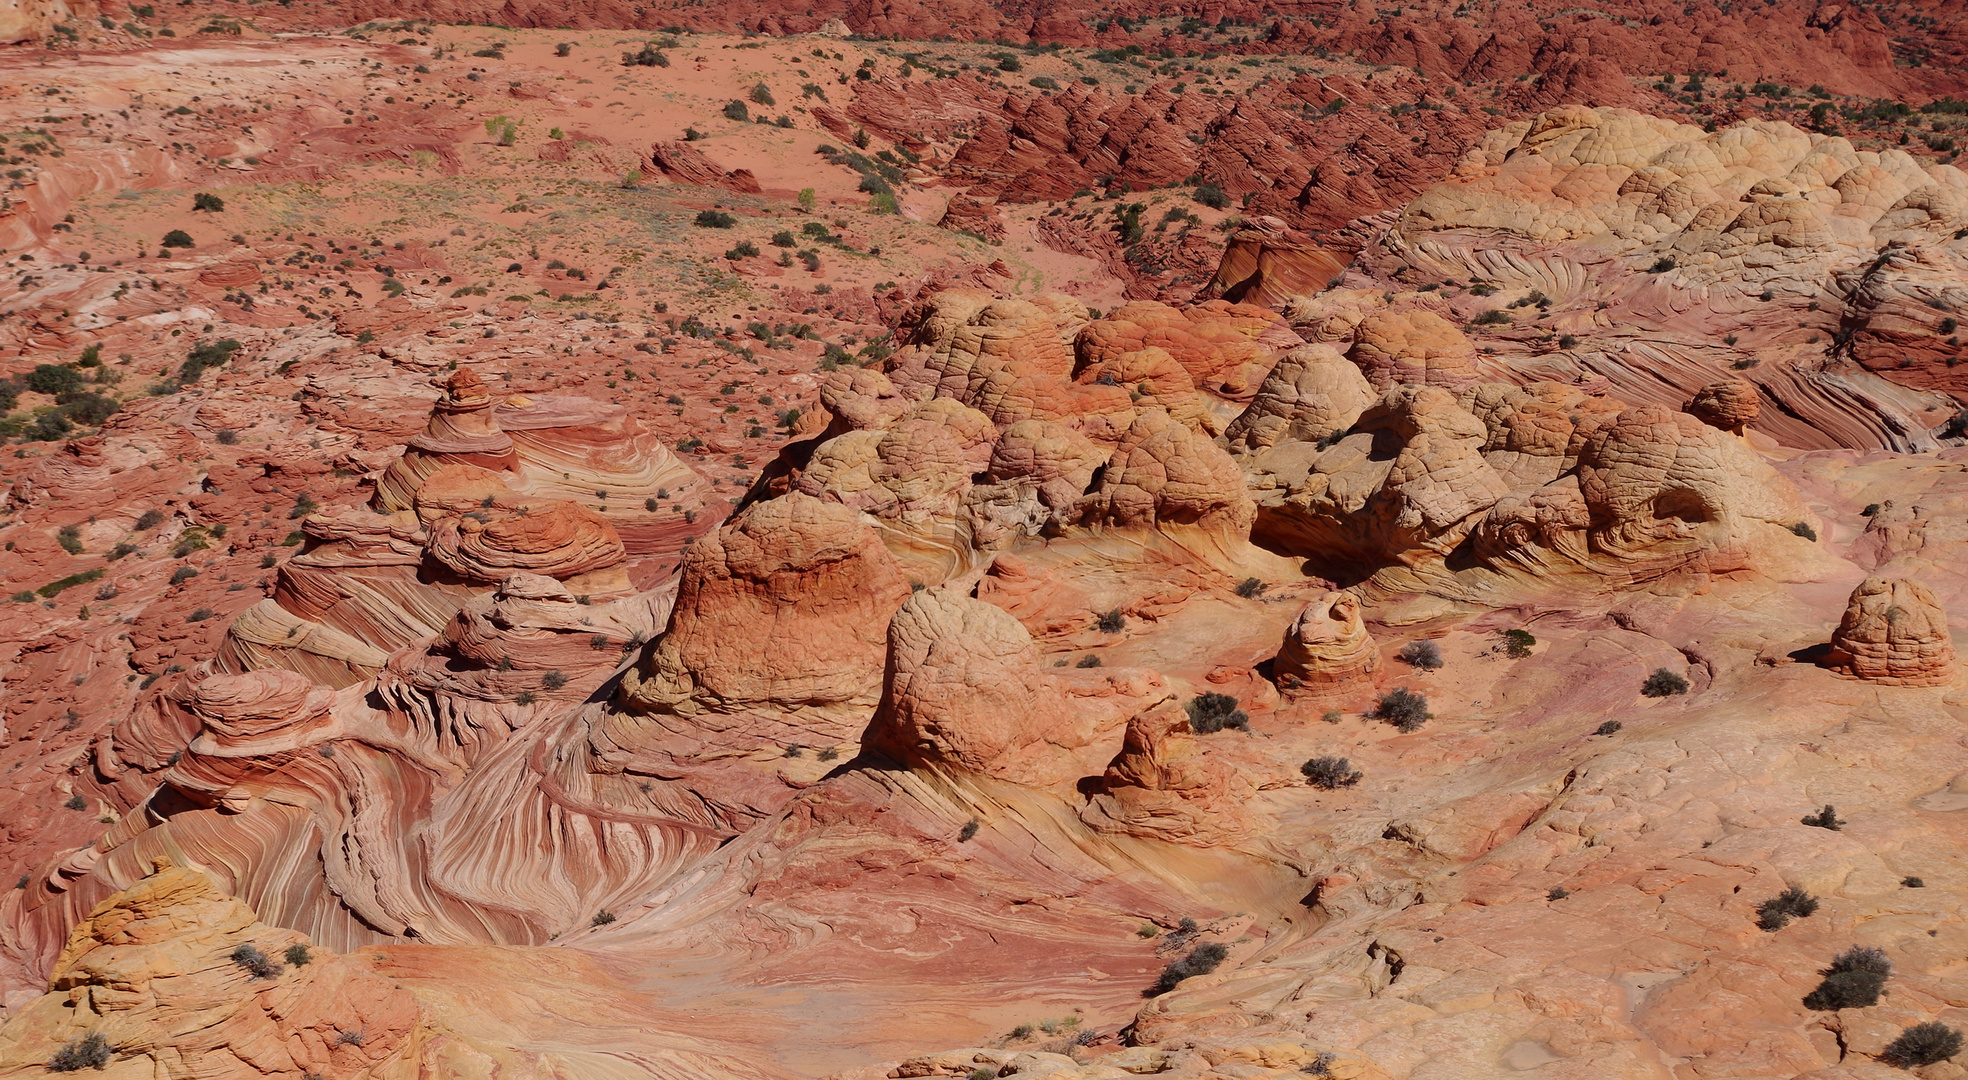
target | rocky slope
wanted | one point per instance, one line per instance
(474, 615)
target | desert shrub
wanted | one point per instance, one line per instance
(255, 962)
(714, 219)
(1912, 883)
(602, 918)
(183, 574)
(55, 379)
(177, 238)
(1421, 655)
(1824, 819)
(563, 49)
(1664, 683)
(553, 680)
(297, 954)
(1250, 588)
(206, 354)
(742, 249)
(810, 260)
(76, 802)
(1558, 892)
(1923, 1044)
(736, 110)
(1212, 196)
(761, 95)
(1212, 712)
(968, 831)
(1492, 317)
(1853, 981)
(70, 539)
(200, 615)
(228, 436)
(54, 588)
(1793, 903)
(1088, 661)
(1804, 529)
(1112, 622)
(1201, 960)
(649, 56)
(1330, 773)
(1403, 708)
(1610, 727)
(1661, 265)
(91, 1051)
(1517, 643)
(207, 201)
(785, 239)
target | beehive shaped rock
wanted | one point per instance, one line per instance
(784, 606)
(1729, 404)
(1418, 347)
(1327, 647)
(1311, 393)
(1161, 785)
(966, 692)
(1894, 631)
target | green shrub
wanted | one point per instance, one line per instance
(1403, 708)
(1824, 819)
(206, 354)
(736, 110)
(1251, 588)
(761, 95)
(91, 1051)
(649, 56)
(207, 201)
(54, 379)
(1212, 196)
(256, 963)
(1610, 727)
(1661, 265)
(714, 219)
(1421, 655)
(297, 954)
(1201, 960)
(70, 539)
(149, 519)
(1793, 903)
(1330, 773)
(1492, 317)
(1804, 529)
(1210, 713)
(177, 238)
(741, 250)
(1923, 1044)
(54, 588)
(1517, 643)
(1853, 981)
(1112, 622)
(1664, 683)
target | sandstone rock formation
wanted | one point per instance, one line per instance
(1161, 786)
(1894, 631)
(1326, 647)
(1730, 404)
(964, 691)
(156, 973)
(782, 607)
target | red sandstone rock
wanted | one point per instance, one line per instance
(1893, 631)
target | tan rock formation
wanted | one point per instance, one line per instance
(1163, 472)
(784, 606)
(1326, 648)
(154, 972)
(965, 691)
(1311, 393)
(1417, 347)
(1894, 631)
(1160, 785)
(1729, 404)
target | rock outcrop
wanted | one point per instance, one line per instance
(1894, 631)
(782, 607)
(965, 691)
(1161, 786)
(1326, 648)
